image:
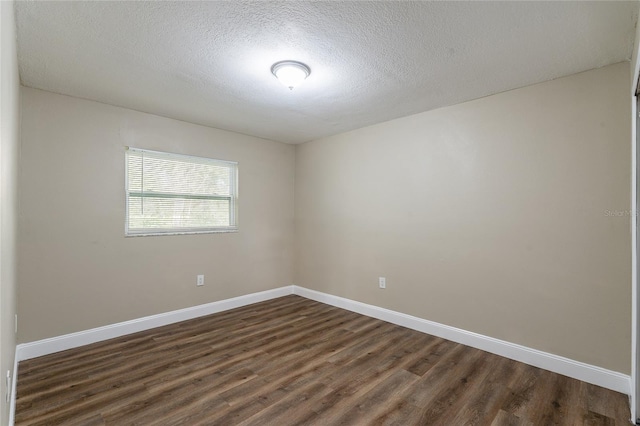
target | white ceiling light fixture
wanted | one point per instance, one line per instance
(290, 73)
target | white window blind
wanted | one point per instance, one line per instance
(172, 194)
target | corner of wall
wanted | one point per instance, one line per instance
(9, 143)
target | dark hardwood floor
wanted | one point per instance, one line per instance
(293, 361)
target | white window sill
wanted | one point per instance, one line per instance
(176, 232)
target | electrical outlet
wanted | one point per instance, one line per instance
(16, 325)
(8, 388)
(200, 280)
(382, 282)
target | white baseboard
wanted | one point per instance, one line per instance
(588, 373)
(81, 338)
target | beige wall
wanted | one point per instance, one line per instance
(9, 142)
(76, 268)
(489, 216)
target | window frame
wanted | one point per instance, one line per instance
(233, 198)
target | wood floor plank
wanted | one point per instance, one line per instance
(486, 397)
(523, 390)
(451, 397)
(505, 418)
(291, 409)
(293, 361)
(379, 400)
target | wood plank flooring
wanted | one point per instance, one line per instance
(293, 361)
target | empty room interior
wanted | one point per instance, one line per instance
(318, 213)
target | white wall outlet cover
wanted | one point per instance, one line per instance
(382, 282)
(200, 280)
(8, 386)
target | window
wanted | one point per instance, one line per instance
(179, 194)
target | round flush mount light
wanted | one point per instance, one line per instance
(290, 73)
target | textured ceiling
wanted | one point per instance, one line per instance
(209, 62)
